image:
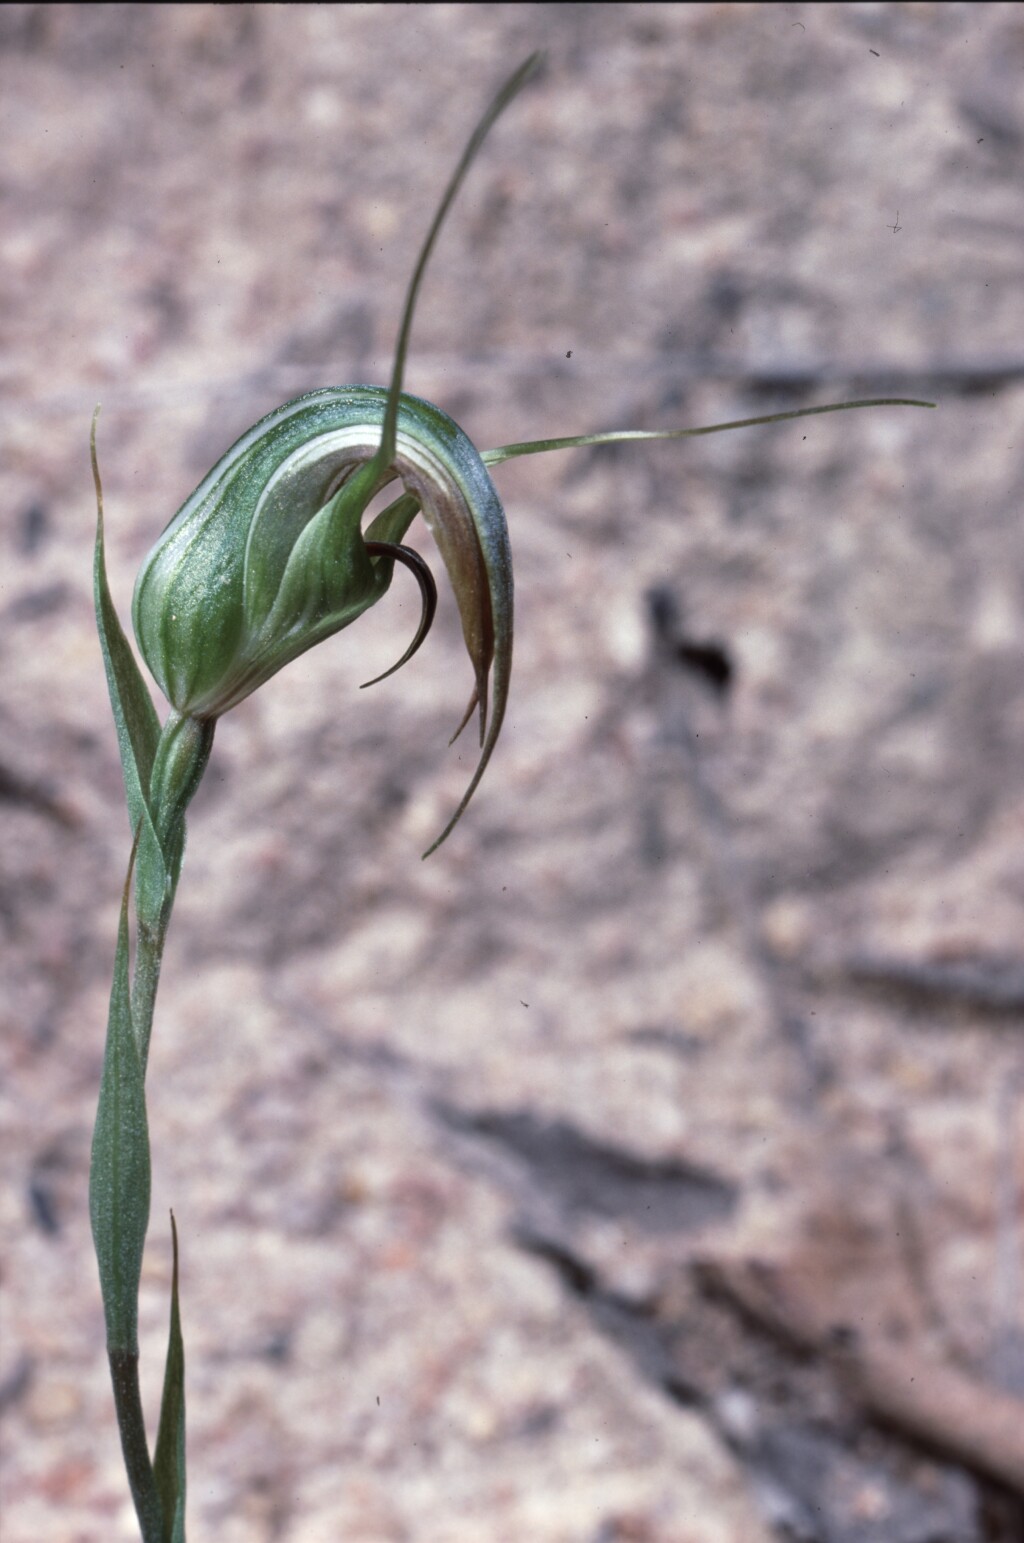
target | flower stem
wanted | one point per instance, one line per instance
(124, 1374)
(119, 1182)
(182, 754)
(149, 953)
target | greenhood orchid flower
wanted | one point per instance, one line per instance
(267, 558)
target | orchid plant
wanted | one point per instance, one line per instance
(268, 557)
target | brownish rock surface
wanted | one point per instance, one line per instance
(729, 971)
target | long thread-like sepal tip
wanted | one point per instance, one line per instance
(515, 83)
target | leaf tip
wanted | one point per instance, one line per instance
(94, 458)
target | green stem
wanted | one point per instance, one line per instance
(124, 1375)
(181, 756)
(149, 953)
(124, 1364)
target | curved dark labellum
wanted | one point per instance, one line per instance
(411, 559)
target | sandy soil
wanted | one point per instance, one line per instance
(723, 969)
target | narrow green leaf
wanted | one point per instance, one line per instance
(138, 727)
(135, 718)
(119, 1174)
(169, 1460)
(623, 436)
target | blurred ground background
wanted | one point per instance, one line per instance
(618, 1175)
